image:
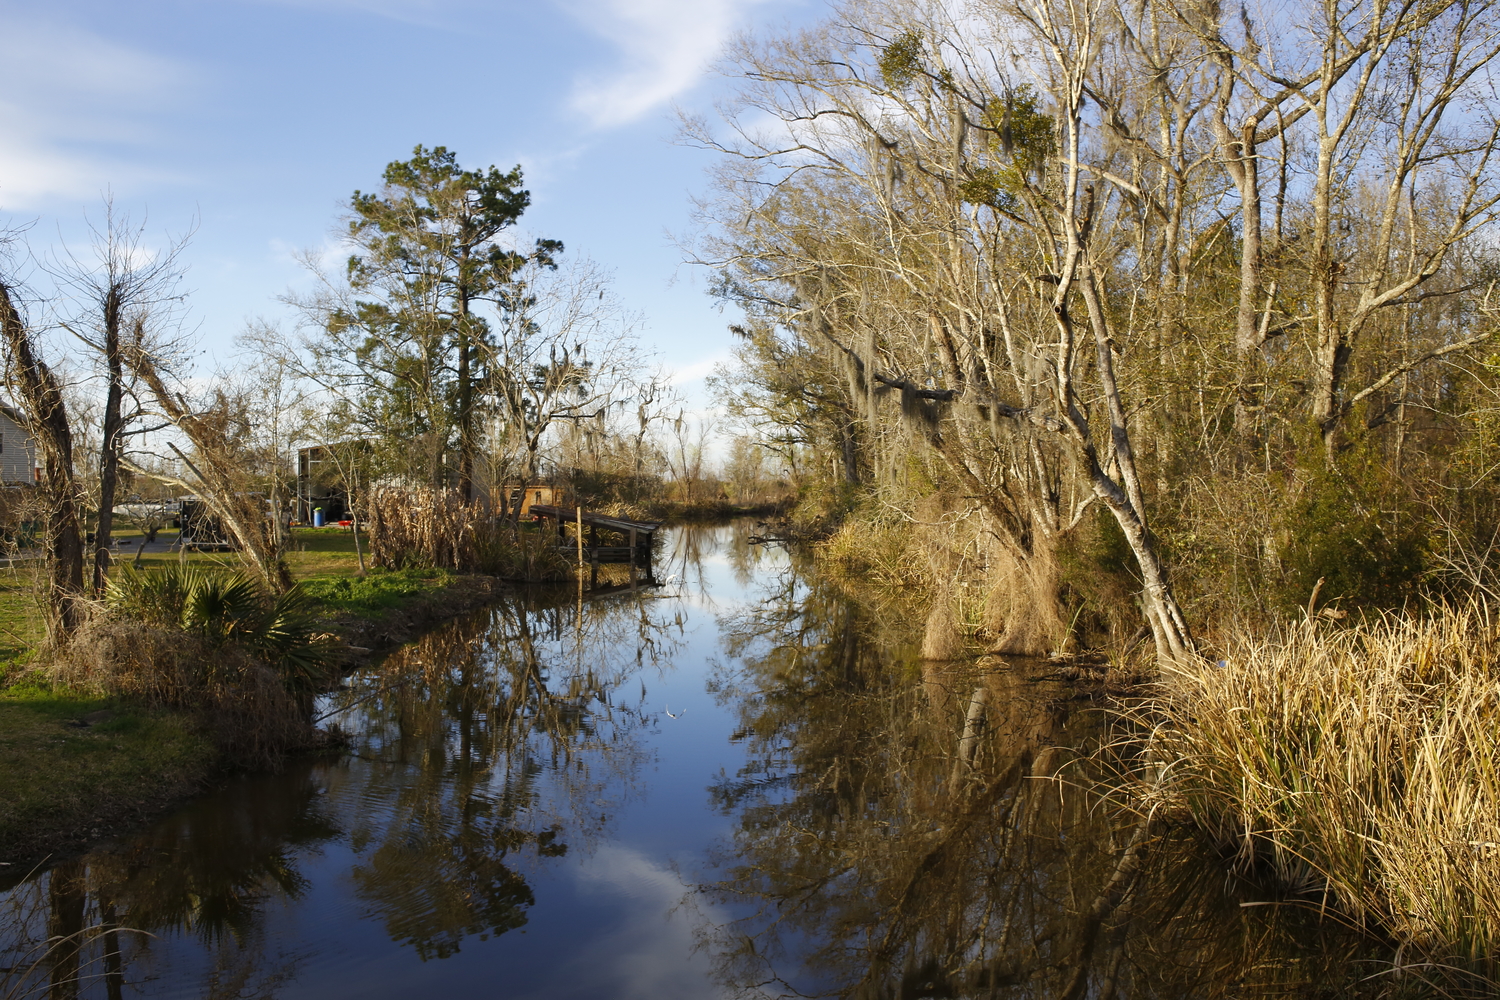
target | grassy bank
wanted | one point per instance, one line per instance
(1360, 767)
(75, 765)
(72, 766)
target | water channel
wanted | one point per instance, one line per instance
(739, 783)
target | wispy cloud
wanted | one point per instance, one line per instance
(694, 371)
(70, 99)
(652, 955)
(663, 48)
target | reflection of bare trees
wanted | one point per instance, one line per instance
(908, 829)
(503, 738)
(492, 744)
(91, 926)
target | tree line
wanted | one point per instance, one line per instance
(1198, 294)
(444, 351)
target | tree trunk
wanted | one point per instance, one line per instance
(465, 400)
(109, 451)
(47, 416)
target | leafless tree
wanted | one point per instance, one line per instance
(123, 297)
(222, 466)
(561, 349)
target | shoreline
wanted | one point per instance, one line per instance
(64, 729)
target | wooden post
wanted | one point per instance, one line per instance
(632, 559)
(580, 541)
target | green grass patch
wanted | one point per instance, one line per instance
(316, 552)
(375, 593)
(68, 760)
(21, 625)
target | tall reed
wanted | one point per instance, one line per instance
(416, 527)
(1362, 762)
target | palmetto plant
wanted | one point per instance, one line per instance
(228, 609)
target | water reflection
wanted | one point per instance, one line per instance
(508, 736)
(518, 811)
(478, 753)
(919, 829)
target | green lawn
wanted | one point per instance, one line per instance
(59, 778)
(57, 775)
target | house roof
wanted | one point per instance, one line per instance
(19, 418)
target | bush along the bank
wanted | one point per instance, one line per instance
(1360, 764)
(244, 662)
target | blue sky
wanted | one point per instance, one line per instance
(257, 117)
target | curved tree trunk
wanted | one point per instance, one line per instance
(47, 418)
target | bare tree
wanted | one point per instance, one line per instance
(41, 395)
(561, 349)
(124, 296)
(222, 465)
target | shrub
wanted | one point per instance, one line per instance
(1356, 537)
(228, 609)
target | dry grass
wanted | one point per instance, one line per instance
(879, 553)
(241, 703)
(425, 528)
(1363, 763)
(977, 591)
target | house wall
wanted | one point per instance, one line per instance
(17, 453)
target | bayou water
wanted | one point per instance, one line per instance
(740, 782)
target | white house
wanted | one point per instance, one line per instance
(17, 451)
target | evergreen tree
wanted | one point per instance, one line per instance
(429, 246)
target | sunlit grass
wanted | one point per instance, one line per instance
(1363, 762)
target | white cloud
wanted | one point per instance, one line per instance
(700, 369)
(664, 48)
(652, 955)
(66, 97)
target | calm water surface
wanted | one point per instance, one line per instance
(739, 783)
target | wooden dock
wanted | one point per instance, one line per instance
(636, 535)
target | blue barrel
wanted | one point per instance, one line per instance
(317, 517)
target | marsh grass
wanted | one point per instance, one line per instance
(1361, 765)
(977, 594)
(416, 528)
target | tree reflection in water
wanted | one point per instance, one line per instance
(510, 732)
(486, 747)
(910, 829)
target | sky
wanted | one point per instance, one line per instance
(249, 123)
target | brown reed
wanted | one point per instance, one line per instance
(1362, 763)
(420, 527)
